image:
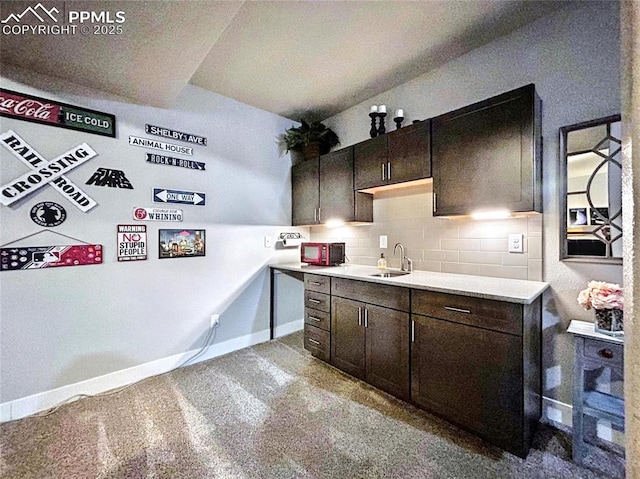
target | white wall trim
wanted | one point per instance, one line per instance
(289, 328)
(28, 405)
(557, 413)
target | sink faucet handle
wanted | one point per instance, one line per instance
(409, 264)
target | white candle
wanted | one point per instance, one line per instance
(382, 109)
(374, 109)
(399, 113)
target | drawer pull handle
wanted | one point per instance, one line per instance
(315, 319)
(315, 283)
(606, 353)
(457, 310)
(313, 341)
(311, 300)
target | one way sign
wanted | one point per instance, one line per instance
(161, 195)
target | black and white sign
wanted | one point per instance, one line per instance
(175, 135)
(48, 214)
(132, 242)
(176, 196)
(110, 178)
(45, 172)
(160, 145)
(156, 214)
(169, 160)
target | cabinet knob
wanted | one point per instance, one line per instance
(606, 353)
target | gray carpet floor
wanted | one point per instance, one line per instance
(270, 411)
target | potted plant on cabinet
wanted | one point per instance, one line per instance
(309, 140)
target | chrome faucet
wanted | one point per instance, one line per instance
(406, 264)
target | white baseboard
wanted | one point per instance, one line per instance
(289, 328)
(557, 413)
(28, 405)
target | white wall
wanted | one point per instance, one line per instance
(573, 58)
(65, 325)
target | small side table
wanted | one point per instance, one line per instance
(594, 351)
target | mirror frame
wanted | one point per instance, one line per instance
(564, 244)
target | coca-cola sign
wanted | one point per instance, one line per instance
(17, 105)
(38, 110)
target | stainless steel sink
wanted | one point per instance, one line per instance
(390, 274)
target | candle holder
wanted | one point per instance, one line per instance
(373, 131)
(398, 120)
(381, 128)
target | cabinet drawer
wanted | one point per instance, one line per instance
(319, 319)
(612, 354)
(315, 282)
(319, 301)
(317, 341)
(394, 297)
(484, 313)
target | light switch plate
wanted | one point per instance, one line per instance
(383, 241)
(267, 242)
(515, 243)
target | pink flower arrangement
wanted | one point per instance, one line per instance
(600, 295)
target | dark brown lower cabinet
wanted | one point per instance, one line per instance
(476, 363)
(473, 361)
(470, 376)
(371, 343)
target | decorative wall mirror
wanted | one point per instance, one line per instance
(591, 191)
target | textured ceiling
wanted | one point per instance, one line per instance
(297, 59)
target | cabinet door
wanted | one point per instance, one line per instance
(409, 151)
(471, 377)
(305, 192)
(336, 186)
(387, 350)
(370, 163)
(348, 336)
(486, 156)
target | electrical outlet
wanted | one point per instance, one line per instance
(516, 243)
(383, 241)
(215, 320)
(267, 242)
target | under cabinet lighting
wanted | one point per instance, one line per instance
(334, 223)
(491, 215)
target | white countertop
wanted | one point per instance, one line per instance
(587, 330)
(500, 289)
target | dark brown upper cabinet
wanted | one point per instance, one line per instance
(322, 190)
(487, 156)
(397, 157)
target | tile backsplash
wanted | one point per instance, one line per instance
(449, 245)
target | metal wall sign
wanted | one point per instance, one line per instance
(30, 157)
(174, 135)
(169, 160)
(40, 257)
(161, 195)
(156, 214)
(160, 145)
(181, 243)
(31, 108)
(45, 173)
(132, 242)
(48, 214)
(110, 178)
